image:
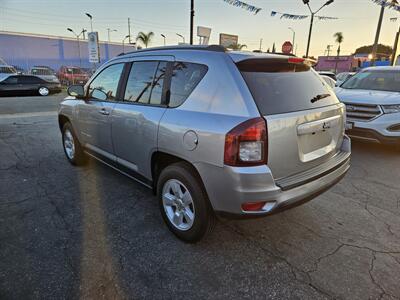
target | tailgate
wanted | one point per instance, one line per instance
(299, 141)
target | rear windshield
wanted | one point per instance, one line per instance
(281, 87)
(74, 71)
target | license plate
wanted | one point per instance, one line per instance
(349, 125)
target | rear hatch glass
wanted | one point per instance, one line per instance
(278, 86)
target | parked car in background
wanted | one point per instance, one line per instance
(342, 77)
(72, 75)
(372, 99)
(327, 73)
(329, 81)
(15, 85)
(6, 70)
(19, 70)
(46, 73)
(210, 131)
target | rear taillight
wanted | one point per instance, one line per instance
(246, 144)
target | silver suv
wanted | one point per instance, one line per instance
(211, 132)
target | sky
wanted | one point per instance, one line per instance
(357, 21)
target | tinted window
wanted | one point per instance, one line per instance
(107, 81)
(281, 87)
(140, 81)
(382, 80)
(11, 80)
(185, 77)
(29, 80)
(158, 83)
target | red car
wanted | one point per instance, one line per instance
(72, 75)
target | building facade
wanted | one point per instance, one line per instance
(27, 50)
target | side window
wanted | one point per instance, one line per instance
(185, 77)
(106, 82)
(140, 81)
(158, 83)
(29, 80)
(11, 80)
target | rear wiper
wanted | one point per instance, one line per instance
(319, 97)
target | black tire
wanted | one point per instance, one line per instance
(204, 218)
(79, 157)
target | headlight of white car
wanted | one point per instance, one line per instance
(390, 109)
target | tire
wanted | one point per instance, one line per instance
(43, 91)
(193, 198)
(72, 148)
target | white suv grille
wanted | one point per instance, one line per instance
(362, 112)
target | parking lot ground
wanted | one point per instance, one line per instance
(70, 232)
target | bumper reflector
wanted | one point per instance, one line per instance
(258, 206)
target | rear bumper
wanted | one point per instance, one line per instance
(377, 130)
(229, 187)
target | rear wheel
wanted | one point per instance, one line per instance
(43, 91)
(72, 148)
(184, 204)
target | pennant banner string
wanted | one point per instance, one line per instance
(288, 16)
(244, 5)
(393, 4)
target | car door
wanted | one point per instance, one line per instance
(28, 84)
(9, 85)
(135, 120)
(94, 112)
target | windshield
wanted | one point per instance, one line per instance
(42, 72)
(380, 80)
(74, 71)
(7, 70)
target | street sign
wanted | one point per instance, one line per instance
(287, 47)
(93, 47)
(227, 40)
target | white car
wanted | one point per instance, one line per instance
(372, 99)
(329, 81)
(45, 73)
(342, 77)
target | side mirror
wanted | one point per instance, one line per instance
(76, 91)
(99, 95)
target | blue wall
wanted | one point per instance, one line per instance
(26, 51)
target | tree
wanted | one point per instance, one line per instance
(338, 39)
(144, 38)
(383, 50)
(237, 46)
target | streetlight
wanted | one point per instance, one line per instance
(79, 46)
(307, 2)
(294, 36)
(183, 38)
(108, 33)
(123, 43)
(164, 37)
(91, 21)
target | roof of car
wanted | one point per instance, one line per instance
(235, 55)
(386, 68)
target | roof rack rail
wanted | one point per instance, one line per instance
(215, 48)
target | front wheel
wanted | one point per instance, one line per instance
(72, 148)
(43, 91)
(184, 204)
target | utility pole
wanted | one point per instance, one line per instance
(378, 31)
(260, 45)
(191, 20)
(396, 42)
(312, 20)
(129, 30)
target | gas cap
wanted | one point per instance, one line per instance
(190, 140)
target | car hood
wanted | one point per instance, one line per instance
(367, 96)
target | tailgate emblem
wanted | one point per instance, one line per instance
(326, 125)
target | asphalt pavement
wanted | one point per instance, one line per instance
(89, 232)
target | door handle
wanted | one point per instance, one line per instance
(103, 111)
